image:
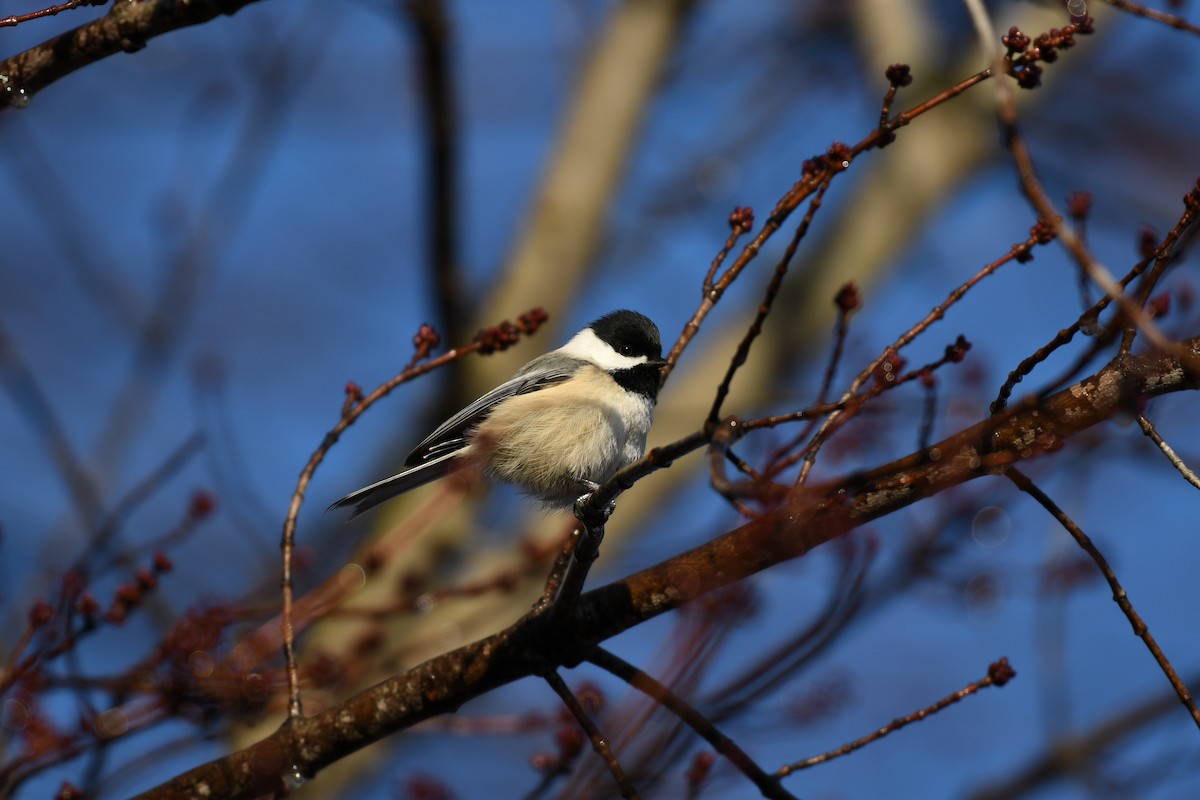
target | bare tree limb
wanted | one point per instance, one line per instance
(125, 28)
(812, 517)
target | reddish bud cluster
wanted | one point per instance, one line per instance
(1147, 241)
(532, 320)
(1001, 672)
(203, 504)
(1044, 230)
(498, 337)
(835, 159)
(1024, 53)
(1015, 41)
(699, 771)
(424, 342)
(1048, 44)
(87, 605)
(741, 219)
(1159, 306)
(354, 395)
(68, 791)
(1028, 75)
(40, 614)
(126, 597)
(1192, 199)
(570, 742)
(146, 580)
(506, 334)
(847, 299)
(1079, 204)
(956, 352)
(899, 75)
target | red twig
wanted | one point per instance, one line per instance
(17, 19)
(999, 673)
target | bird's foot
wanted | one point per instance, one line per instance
(581, 501)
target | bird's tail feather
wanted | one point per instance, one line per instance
(370, 496)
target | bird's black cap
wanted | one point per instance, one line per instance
(630, 334)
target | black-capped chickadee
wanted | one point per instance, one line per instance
(563, 425)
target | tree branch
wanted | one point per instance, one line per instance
(812, 517)
(125, 28)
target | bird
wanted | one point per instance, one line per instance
(558, 429)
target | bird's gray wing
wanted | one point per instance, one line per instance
(435, 456)
(452, 435)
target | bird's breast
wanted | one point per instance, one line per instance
(548, 441)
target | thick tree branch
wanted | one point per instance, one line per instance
(125, 28)
(812, 517)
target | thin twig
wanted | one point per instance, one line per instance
(769, 785)
(999, 673)
(355, 404)
(847, 301)
(764, 306)
(1177, 462)
(139, 494)
(1085, 543)
(1017, 252)
(28, 396)
(1177, 22)
(17, 19)
(1167, 253)
(126, 28)
(1069, 756)
(599, 743)
(1031, 184)
(443, 683)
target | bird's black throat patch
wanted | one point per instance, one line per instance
(643, 379)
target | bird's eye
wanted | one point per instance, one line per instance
(625, 350)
